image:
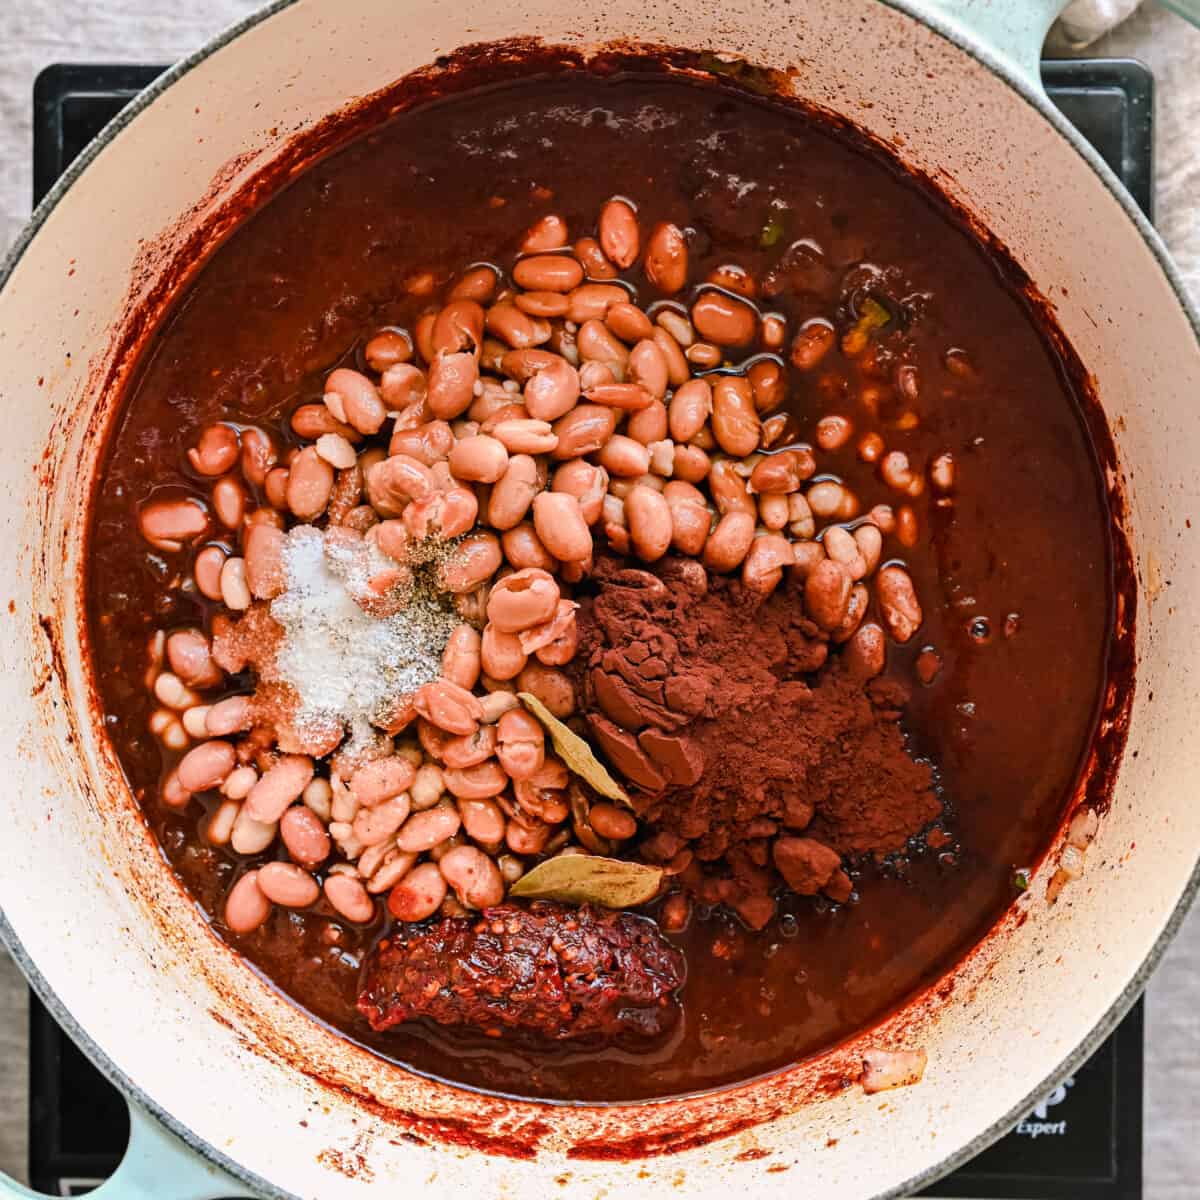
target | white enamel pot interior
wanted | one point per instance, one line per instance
(124, 957)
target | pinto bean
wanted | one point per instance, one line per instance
(690, 463)
(812, 342)
(478, 459)
(666, 259)
(762, 569)
(460, 658)
(389, 347)
(548, 273)
(593, 301)
(597, 344)
(168, 524)
(841, 546)
(773, 331)
(205, 766)
(522, 600)
(349, 898)
(520, 744)
(446, 514)
(480, 782)
(724, 320)
(287, 885)
(609, 821)
(584, 430)
(360, 402)
(869, 540)
(523, 548)
(650, 524)
(452, 379)
(482, 820)
(829, 498)
(502, 654)
(558, 520)
(827, 590)
(403, 386)
(525, 436)
(551, 384)
(546, 233)
(234, 714)
(649, 426)
(280, 786)
(258, 455)
(856, 609)
(304, 836)
(866, 651)
(471, 749)
(471, 563)
(457, 328)
(735, 422)
(648, 367)
(623, 457)
(728, 489)
(629, 323)
(474, 877)
(246, 907)
(216, 451)
(451, 708)
(898, 603)
(769, 384)
(309, 485)
(729, 542)
(595, 264)
(782, 473)
(375, 826)
(190, 655)
(907, 530)
(381, 779)
(552, 687)
(834, 432)
(419, 894)
(587, 483)
(690, 518)
(513, 492)
(619, 235)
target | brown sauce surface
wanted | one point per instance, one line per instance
(1006, 722)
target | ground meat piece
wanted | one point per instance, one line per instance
(549, 969)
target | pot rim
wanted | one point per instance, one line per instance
(1032, 96)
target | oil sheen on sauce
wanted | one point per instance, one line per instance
(1015, 579)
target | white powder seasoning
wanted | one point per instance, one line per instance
(345, 664)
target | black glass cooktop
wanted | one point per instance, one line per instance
(1082, 1142)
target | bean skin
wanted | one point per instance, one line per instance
(451, 708)
(666, 261)
(258, 455)
(728, 489)
(762, 568)
(690, 518)
(480, 782)
(523, 600)
(502, 655)
(691, 464)
(520, 744)
(457, 328)
(359, 398)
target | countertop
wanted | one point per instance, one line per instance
(35, 33)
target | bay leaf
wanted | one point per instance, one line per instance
(576, 754)
(590, 879)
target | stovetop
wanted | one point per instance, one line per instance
(1082, 1142)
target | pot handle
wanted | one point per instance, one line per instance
(156, 1166)
(1011, 31)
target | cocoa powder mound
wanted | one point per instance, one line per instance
(752, 754)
